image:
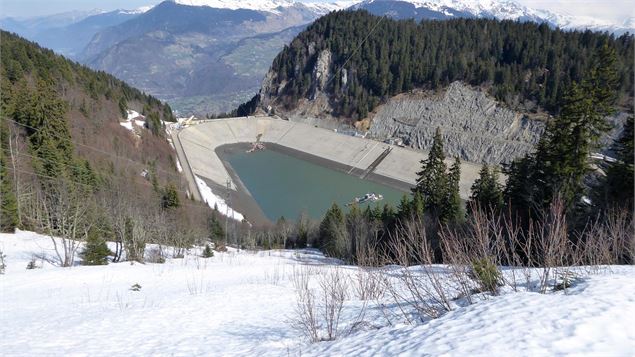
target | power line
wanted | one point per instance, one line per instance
(48, 160)
(103, 152)
(357, 48)
(91, 147)
(91, 186)
(101, 189)
(372, 30)
(71, 167)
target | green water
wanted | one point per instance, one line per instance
(283, 185)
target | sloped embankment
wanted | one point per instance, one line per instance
(473, 125)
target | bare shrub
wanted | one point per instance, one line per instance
(318, 310)
(274, 277)
(197, 283)
(367, 284)
(474, 253)
(608, 240)
(306, 317)
(32, 264)
(155, 255)
(553, 247)
(493, 250)
(220, 247)
(423, 288)
(63, 211)
(333, 294)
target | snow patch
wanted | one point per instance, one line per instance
(606, 158)
(213, 200)
(137, 11)
(133, 120)
(132, 114)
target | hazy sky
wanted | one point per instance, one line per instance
(615, 10)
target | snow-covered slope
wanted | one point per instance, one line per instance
(216, 202)
(241, 303)
(593, 319)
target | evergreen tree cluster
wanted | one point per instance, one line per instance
(556, 171)
(332, 232)
(96, 251)
(25, 61)
(487, 191)
(435, 199)
(49, 184)
(522, 64)
(8, 203)
(561, 161)
(438, 187)
(617, 188)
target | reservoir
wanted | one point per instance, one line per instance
(285, 185)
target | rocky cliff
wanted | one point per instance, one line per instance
(473, 125)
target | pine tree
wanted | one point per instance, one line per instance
(432, 180)
(479, 187)
(452, 211)
(302, 228)
(561, 160)
(616, 190)
(399, 55)
(170, 197)
(96, 251)
(403, 209)
(487, 192)
(417, 206)
(8, 202)
(517, 193)
(387, 215)
(332, 231)
(208, 252)
(215, 228)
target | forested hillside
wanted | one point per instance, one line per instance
(525, 65)
(68, 167)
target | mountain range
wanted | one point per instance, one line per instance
(494, 9)
(207, 56)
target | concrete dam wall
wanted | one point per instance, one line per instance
(401, 164)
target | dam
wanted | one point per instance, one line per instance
(211, 145)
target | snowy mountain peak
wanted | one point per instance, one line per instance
(504, 10)
(267, 5)
(140, 10)
(500, 9)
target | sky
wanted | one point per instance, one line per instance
(613, 10)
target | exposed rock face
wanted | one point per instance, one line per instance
(473, 126)
(321, 72)
(314, 110)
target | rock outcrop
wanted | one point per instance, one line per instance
(473, 125)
